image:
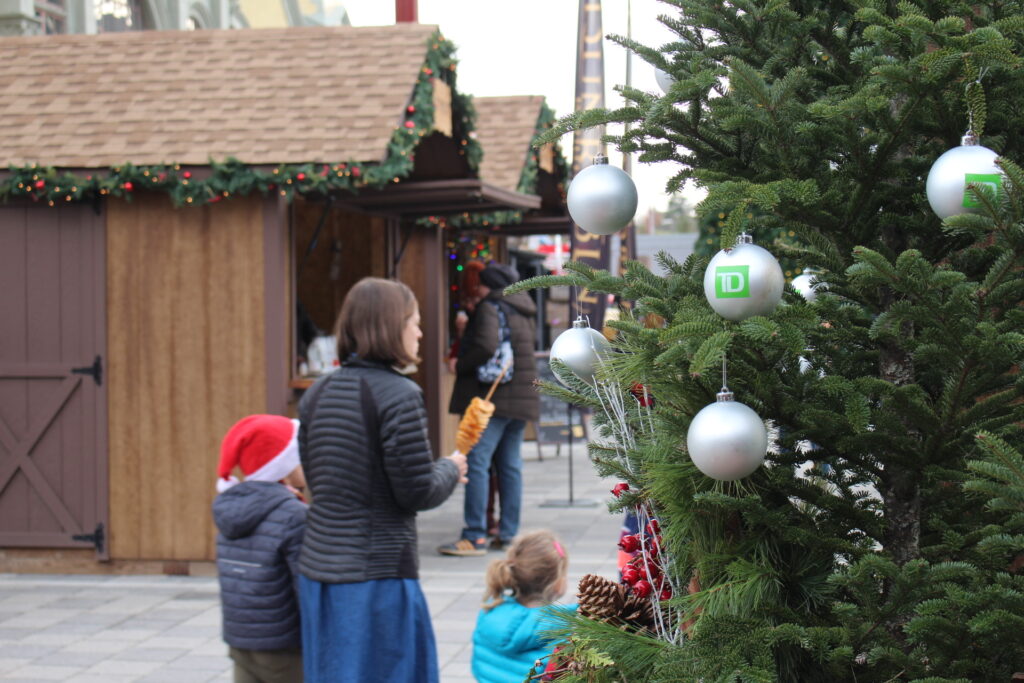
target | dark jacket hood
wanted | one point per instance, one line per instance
(239, 510)
(520, 301)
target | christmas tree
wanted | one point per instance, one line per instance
(883, 538)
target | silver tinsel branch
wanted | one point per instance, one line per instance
(622, 409)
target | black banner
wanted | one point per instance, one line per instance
(588, 248)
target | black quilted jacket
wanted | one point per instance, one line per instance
(260, 526)
(364, 448)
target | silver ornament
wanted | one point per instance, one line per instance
(802, 284)
(727, 440)
(602, 199)
(948, 178)
(580, 347)
(664, 79)
(743, 281)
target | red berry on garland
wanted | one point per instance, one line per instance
(620, 489)
(653, 528)
(187, 174)
(128, 187)
(629, 544)
(630, 575)
(40, 184)
(410, 124)
(640, 393)
(653, 570)
(300, 176)
(427, 70)
(642, 588)
(666, 593)
(356, 171)
(410, 109)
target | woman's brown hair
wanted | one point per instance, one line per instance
(531, 570)
(371, 321)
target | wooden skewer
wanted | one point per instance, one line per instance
(495, 384)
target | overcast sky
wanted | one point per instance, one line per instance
(528, 47)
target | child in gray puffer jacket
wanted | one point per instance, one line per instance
(261, 522)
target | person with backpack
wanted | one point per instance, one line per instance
(501, 329)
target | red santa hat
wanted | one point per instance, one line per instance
(264, 447)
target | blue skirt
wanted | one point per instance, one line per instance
(371, 631)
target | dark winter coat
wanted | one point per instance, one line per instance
(260, 526)
(364, 448)
(518, 398)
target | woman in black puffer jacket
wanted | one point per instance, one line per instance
(365, 451)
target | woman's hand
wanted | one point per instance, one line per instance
(460, 461)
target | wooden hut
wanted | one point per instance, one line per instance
(171, 197)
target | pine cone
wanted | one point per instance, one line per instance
(638, 612)
(600, 598)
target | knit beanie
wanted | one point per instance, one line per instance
(264, 447)
(499, 276)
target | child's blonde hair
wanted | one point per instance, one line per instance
(531, 569)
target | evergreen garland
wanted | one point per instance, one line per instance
(232, 177)
(876, 544)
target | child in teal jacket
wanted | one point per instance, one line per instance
(507, 640)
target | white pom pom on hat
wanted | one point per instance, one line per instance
(264, 447)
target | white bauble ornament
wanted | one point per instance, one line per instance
(802, 284)
(664, 79)
(948, 178)
(602, 199)
(743, 281)
(580, 347)
(727, 440)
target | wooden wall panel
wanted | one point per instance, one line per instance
(186, 349)
(279, 318)
(420, 268)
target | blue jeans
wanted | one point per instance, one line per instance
(501, 444)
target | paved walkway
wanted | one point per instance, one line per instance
(116, 629)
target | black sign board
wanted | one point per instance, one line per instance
(556, 416)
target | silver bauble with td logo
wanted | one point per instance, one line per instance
(743, 281)
(949, 176)
(727, 440)
(602, 199)
(580, 347)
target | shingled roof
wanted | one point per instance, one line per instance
(505, 127)
(264, 96)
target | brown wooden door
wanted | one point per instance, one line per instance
(53, 418)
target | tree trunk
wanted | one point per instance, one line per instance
(899, 485)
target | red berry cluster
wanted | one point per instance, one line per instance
(643, 573)
(642, 395)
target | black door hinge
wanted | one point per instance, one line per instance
(96, 537)
(95, 370)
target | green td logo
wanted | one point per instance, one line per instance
(991, 180)
(732, 282)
